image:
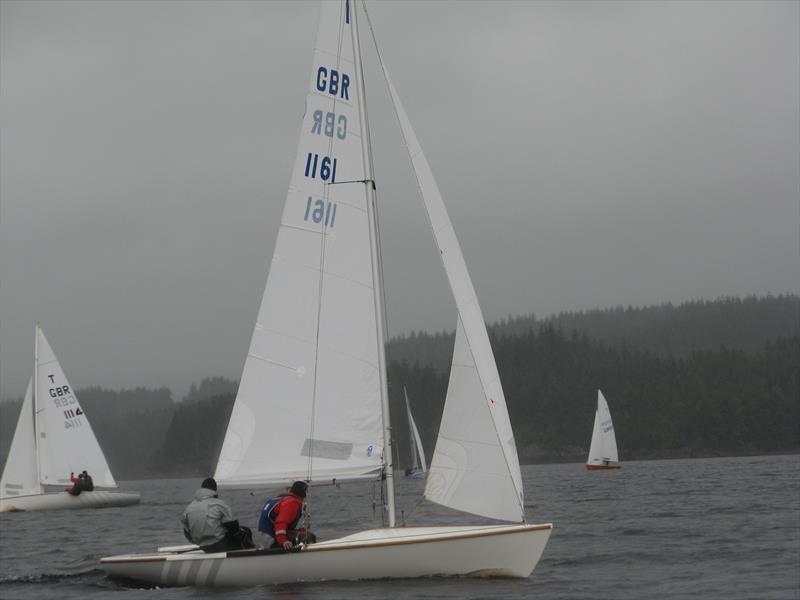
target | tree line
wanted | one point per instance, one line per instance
(713, 393)
(736, 323)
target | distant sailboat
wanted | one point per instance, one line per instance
(313, 399)
(603, 451)
(52, 439)
(419, 467)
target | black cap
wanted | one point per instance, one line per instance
(209, 484)
(299, 488)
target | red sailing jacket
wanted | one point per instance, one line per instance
(287, 515)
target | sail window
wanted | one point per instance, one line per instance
(326, 449)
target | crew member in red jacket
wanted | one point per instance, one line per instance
(286, 515)
(77, 484)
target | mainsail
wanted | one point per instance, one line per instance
(475, 466)
(312, 376)
(65, 438)
(21, 476)
(604, 442)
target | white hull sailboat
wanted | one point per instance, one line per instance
(65, 501)
(316, 360)
(419, 467)
(603, 450)
(480, 551)
(54, 438)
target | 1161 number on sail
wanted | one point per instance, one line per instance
(327, 167)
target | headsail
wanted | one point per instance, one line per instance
(483, 480)
(66, 441)
(603, 449)
(21, 475)
(309, 401)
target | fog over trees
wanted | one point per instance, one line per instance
(699, 379)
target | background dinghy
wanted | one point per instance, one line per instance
(53, 438)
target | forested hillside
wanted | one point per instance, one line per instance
(667, 330)
(709, 403)
(700, 379)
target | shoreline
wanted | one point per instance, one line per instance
(574, 458)
(554, 461)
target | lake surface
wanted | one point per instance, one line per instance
(703, 528)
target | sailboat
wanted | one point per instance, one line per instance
(603, 450)
(419, 467)
(317, 353)
(54, 438)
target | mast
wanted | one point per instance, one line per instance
(36, 403)
(372, 218)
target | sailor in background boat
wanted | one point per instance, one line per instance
(208, 522)
(77, 484)
(280, 516)
(88, 482)
(82, 483)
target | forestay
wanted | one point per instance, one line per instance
(475, 466)
(66, 441)
(604, 441)
(312, 370)
(21, 476)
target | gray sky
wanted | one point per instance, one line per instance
(590, 154)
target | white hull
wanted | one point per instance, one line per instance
(482, 551)
(65, 501)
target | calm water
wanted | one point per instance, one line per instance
(716, 528)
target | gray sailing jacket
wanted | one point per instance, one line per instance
(203, 518)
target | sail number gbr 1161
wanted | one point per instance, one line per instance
(320, 167)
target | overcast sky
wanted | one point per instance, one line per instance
(590, 154)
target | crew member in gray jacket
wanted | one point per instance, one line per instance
(209, 523)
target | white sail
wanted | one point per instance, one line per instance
(65, 439)
(603, 449)
(469, 470)
(309, 401)
(418, 462)
(21, 475)
(460, 468)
